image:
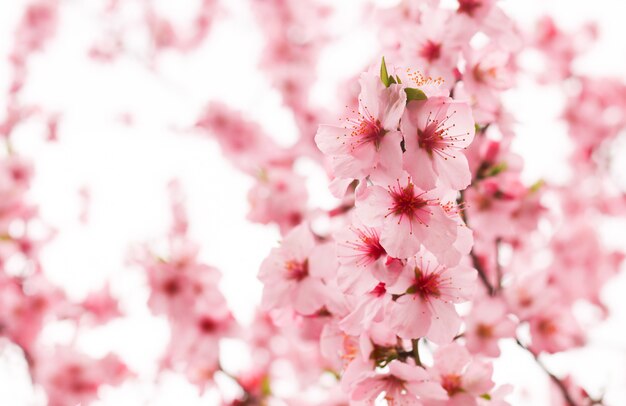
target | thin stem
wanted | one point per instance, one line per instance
(416, 351)
(475, 260)
(554, 378)
(498, 265)
(493, 291)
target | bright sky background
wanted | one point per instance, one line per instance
(127, 169)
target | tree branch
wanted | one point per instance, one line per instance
(554, 378)
(475, 260)
(493, 292)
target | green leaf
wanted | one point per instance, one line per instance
(266, 390)
(496, 169)
(414, 94)
(398, 79)
(384, 76)
(534, 188)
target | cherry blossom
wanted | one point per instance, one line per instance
(408, 217)
(293, 273)
(368, 144)
(435, 133)
(486, 324)
(427, 293)
(465, 380)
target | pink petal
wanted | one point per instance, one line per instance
(331, 139)
(445, 324)
(309, 296)
(372, 204)
(393, 105)
(410, 317)
(388, 166)
(371, 90)
(427, 390)
(368, 389)
(464, 283)
(299, 242)
(477, 378)
(453, 170)
(461, 116)
(405, 279)
(441, 233)
(451, 359)
(401, 239)
(323, 261)
(419, 165)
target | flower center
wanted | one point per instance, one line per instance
(481, 75)
(379, 290)
(546, 327)
(171, 287)
(368, 247)
(484, 331)
(207, 325)
(367, 130)
(297, 270)
(452, 384)
(435, 137)
(426, 284)
(469, 6)
(430, 51)
(408, 204)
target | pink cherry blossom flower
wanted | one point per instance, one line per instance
(555, 329)
(363, 260)
(241, 139)
(528, 293)
(486, 324)
(368, 144)
(435, 133)
(405, 384)
(279, 196)
(434, 43)
(408, 217)
(292, 273)
(465, 380)
(194, 346)
(427, 294)
(71, 378)
(488, 68)
(369, 308)
(101, 305)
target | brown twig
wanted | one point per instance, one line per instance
(559, 383)
(493, 291)
(475, 260)
(416, 351)
(498, 265)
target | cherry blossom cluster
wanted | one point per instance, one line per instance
(29, 301)
(185, 291)
(410, 181)
(437, 250)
